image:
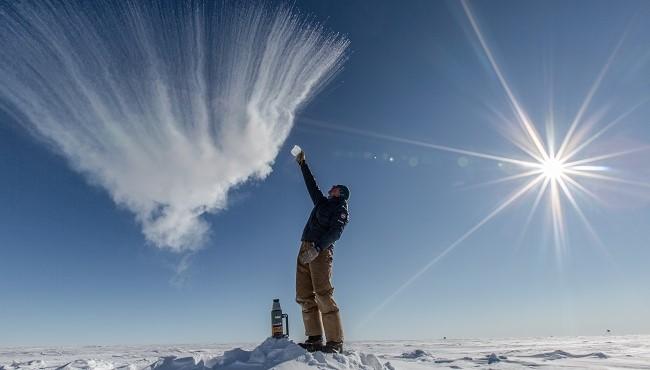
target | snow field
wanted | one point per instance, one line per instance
(604, 352)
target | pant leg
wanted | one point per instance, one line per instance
(307, 299)
(321, 277)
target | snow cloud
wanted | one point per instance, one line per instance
(166, 105)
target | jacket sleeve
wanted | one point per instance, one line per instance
(340, 218)
(314, 191)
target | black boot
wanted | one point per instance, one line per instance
(313, 343)
(333, 347)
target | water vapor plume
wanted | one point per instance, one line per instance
(166, 105)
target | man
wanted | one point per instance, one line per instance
(314, 288)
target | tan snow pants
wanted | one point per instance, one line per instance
(314, 292)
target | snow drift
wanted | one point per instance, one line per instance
(166, 105)
(273, 354)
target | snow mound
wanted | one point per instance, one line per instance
(492, 358)
(90, 364)
(276, 354)
(559, 354)
(33, 364)
(418, 353)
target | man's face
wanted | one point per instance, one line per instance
(334, 192)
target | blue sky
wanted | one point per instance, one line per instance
(77, 270)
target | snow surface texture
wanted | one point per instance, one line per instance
(168, 105)
(608, 352)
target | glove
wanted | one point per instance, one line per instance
(300, 158)
(309, 254)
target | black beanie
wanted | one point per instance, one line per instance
(345, 192)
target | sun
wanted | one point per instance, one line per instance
(553, 169)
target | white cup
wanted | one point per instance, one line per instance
(295, 150)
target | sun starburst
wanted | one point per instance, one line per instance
(553, 175)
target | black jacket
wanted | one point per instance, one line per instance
(327, 219)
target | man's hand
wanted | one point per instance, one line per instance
(309, 254)
(300, 158)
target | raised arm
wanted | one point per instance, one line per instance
(314, 191)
